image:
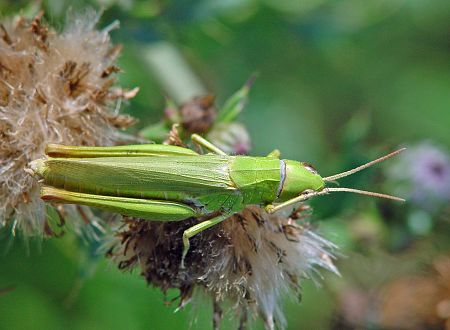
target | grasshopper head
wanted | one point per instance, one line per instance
(299, 177)
(301, 181)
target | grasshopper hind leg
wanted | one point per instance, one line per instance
(157, 210)
(139, 150)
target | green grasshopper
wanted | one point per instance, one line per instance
(170, 183)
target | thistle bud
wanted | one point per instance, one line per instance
(198, 115)
(233, 138)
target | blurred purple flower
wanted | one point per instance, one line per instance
(423, 175)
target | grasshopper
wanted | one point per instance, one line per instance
(169, 183)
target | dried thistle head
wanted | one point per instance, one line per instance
(249, 260)
(54, 87)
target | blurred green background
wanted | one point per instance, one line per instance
(339, 83)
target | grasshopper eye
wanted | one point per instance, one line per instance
(309, 167)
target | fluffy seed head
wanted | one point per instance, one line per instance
(54, 87)
(250, 259)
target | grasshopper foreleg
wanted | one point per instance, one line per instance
(270, 208)
(198, 228)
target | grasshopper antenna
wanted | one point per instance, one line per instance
(364, 192)
(325, 191)
(362, 167)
